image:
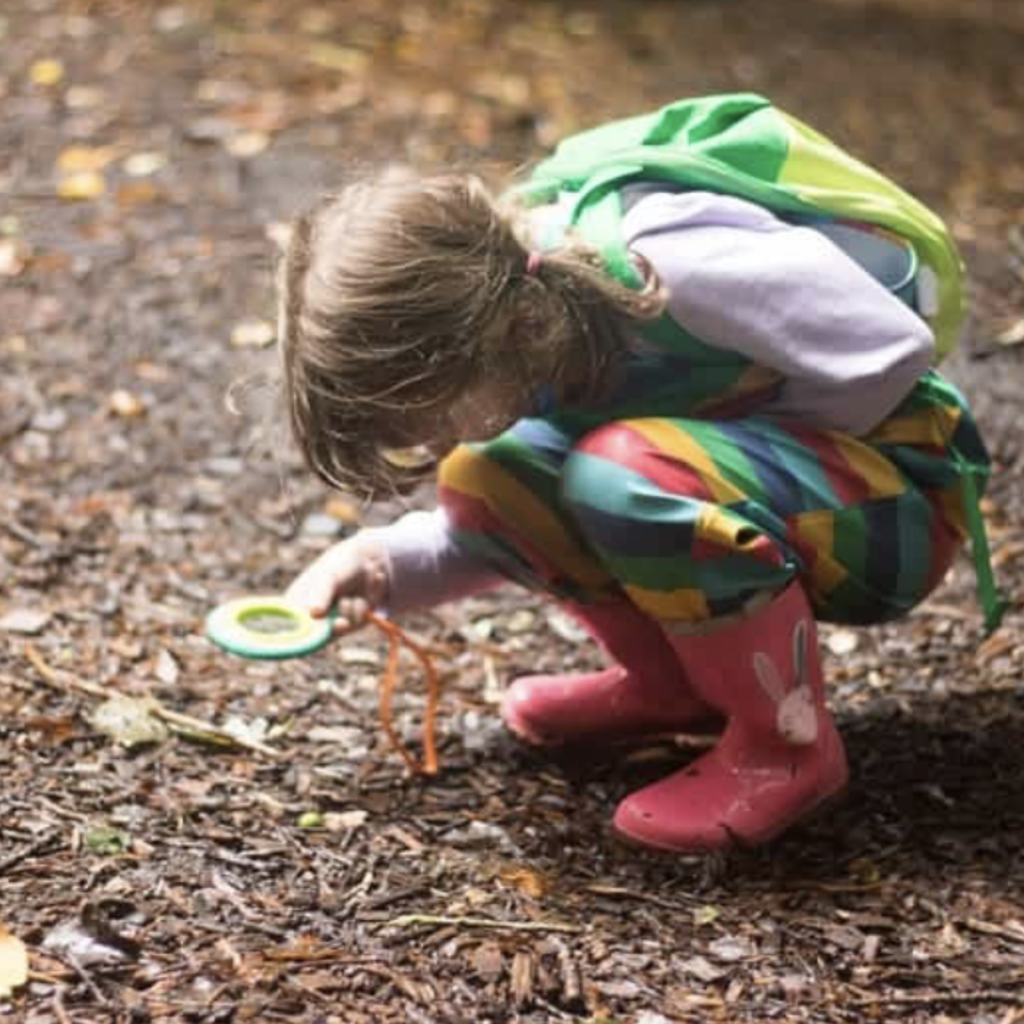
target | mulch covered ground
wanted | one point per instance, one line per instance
(148, 156)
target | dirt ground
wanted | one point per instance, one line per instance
(149, 155)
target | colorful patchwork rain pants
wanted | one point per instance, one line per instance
(693, 517)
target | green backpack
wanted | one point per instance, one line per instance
(742, 145)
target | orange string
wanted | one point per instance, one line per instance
(396, 637)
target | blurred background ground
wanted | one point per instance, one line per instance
(148, 156)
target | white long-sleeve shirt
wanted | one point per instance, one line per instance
(737, 277)
(787, 298)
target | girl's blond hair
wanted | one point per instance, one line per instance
(398, 295)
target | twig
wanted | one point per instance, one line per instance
(86, 977)
(21, 856)
(987, 928)
(59, 1011)
(61, 680)
(19, 532)
(189, 724)
(64, 681)
(409, 920)
(947, 611)
(49, 978)
(616, 891)
(938, 999)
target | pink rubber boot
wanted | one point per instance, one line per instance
(780, 756)
(645, 694)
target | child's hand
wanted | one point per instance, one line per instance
(352, 577)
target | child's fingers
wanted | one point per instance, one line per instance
(313, 590)
(351, 614)
(316, 588)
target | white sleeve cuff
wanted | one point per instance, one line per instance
(426, 566)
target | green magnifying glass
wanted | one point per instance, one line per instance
(267, 626)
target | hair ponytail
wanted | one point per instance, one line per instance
(396, 297)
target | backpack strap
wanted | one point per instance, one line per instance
(994, 602)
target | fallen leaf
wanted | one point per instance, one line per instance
(793, 984)
(521, 621)
(731, 948)
(125, 404)
(701, 968)
(864, 871)
(166, 668)
(319, 524)
(316, 21)
(280, 233)
(346, 735)
(268, 112)
(511, 90)
(85, 97)
(246, 730)
(209, 129)
(337, 58)
(83, 185)
(218, 90)
(28, 621)
(1013, 335)
(13, 963)
(106, 841)
(81, 159)
(409, 458)
(842, 641)
(129, 721)
(845, 936)
(71, 939)
(171, 18)
(13, 256)
(142, 165)
(344, 820)
(137, 193)
(344, 511)
(355, 655)
(487, 961)
(996, 645)
(46, 263)
(619, 989)
(521, 981)
(1006, 553)
(253, 333)
(152, 372)
(56, 729)
(46, 72)
(565, 627)
(531, 883)
(245, 145)
(705, 915)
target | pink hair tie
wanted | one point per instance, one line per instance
(533, 262)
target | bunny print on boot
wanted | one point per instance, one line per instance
(796, 718)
